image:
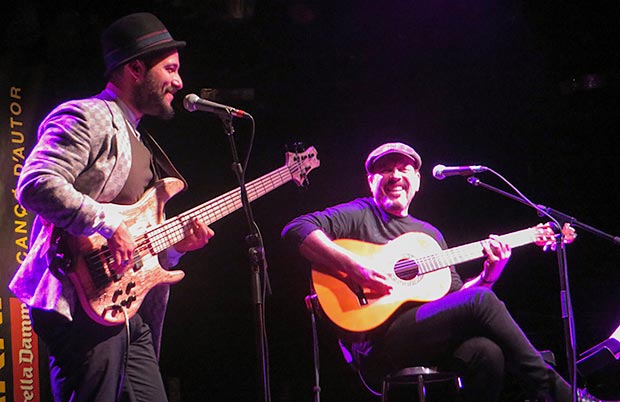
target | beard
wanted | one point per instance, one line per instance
(149, 98)
(394, 204)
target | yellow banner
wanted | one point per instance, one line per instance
(19, 347)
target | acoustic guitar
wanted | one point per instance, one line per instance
(415, 266)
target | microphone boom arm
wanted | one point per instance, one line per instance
(548, 211)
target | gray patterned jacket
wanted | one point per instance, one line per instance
(81, 161)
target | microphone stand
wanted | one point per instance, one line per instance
(257, 259)
(565, 298)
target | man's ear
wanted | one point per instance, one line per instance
(419, 181)
(136, 69)
(369, 178)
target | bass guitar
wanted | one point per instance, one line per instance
(110, 299)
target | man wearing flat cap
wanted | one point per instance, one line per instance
(89, 155)
(464, 327)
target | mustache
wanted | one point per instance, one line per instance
(394, 180)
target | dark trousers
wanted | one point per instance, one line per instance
(87, 360)
(472, 333)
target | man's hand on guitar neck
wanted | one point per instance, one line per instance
(498, 254)
(199, 235)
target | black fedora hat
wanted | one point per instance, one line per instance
(133, 36)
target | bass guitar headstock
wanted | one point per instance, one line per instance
(300, 163)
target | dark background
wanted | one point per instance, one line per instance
(527, 88)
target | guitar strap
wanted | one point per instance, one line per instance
(162, 166)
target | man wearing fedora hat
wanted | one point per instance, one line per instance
(468, 330)
(90, 154)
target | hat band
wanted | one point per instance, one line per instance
(142, 44)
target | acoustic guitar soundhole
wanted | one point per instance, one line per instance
(406, 269)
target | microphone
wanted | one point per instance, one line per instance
(193, 102)
(440, 172)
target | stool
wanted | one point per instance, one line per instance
(420, 376)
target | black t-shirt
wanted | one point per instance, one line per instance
(361, 219)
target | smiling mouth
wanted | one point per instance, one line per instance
(395, 190)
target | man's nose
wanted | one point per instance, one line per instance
(396, 173)
(177, 82)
